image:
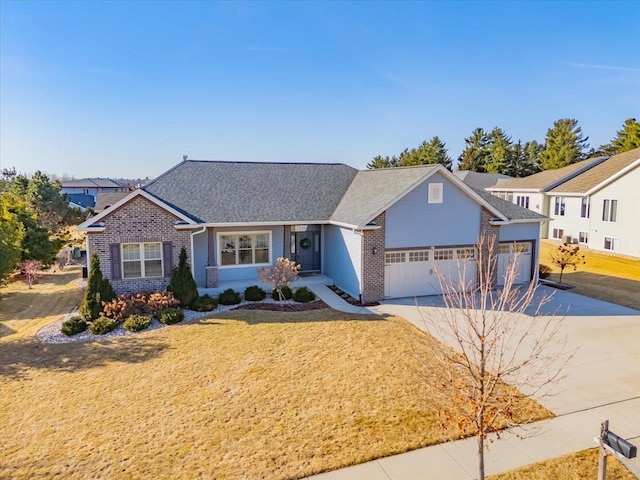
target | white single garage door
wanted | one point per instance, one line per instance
(519, 252)
(414, 273)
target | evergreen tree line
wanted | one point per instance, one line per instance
(34, 216)
(495, 152)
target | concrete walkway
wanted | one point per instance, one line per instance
(602, 382)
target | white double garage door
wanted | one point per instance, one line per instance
(413, 273)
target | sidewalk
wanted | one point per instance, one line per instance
(458, 460)
(603, 383)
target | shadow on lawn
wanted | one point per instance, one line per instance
(257, 317)
(20, 356)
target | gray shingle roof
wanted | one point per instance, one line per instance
(90, 183)
(508, 209)
(481, 180)
(372, 190)
(548, 179)
(242, 192)
(598, 174)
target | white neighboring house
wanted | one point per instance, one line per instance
(595, 202)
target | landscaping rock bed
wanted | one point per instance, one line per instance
(284, 307)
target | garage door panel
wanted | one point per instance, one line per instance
(519, 254)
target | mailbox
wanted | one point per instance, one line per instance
(620, 445)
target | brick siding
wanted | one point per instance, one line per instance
(488, 251)
(373, 263)
(138, 220)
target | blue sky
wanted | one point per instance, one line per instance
(123, 89)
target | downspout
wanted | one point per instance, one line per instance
(193, 273)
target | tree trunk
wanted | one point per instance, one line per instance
(480, 457)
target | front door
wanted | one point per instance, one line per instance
(308, 250)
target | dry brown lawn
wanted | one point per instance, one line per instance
(605, 276)
(577, 466)
(245, 394)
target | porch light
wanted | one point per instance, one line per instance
(374, 250)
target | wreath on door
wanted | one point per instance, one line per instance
(305, 244)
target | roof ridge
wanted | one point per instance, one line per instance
(262, 162)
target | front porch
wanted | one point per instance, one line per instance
(305, 280)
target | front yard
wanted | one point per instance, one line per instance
(609, 277)
(244, 394)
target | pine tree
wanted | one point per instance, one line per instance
(429, 152)
(501, 152)
(98, 290)
(475, 154)
(564, 144)
(526, 159)
(626, 139)
(182, 284)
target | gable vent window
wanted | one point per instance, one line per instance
(435, 193)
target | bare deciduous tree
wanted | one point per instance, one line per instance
(567, 256)
(495, 348)
(280, 274)
(32, 270)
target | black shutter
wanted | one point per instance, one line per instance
(116, 269)
(167, 258)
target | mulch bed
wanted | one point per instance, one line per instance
(284, 307)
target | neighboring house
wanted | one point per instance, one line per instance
(105, 200)
(91, 187)
(595, 203)
(81, 201)
(481, 180)
(376, 233)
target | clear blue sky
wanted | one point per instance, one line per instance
(123, 89)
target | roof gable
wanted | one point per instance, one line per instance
(547, 179)
(600, 175)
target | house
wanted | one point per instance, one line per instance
(87, 189)
(594, 202)
(376, 233)
(105, 199)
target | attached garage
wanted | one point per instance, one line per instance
(413, 273)
(519, 252)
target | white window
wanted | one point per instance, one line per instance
(504, 248)
(611, 243)
(443, 255)
(523, 200)
(435, 193)
(468, 253)
(558, 233)
(585, 207)
(419, 256)
(559, 206)
(142, 260)
(610, 210)
(394, 257)
(583, 237)
(250, 248)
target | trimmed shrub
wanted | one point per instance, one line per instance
(98, 290)
(118, 308)
(171, 316)
(182, 284)
(135, 323)
(158, 301)
(304, 295)
(287, 293)
(74, 326)
(102, 326)
(544, 271)
(204, 304)
(229, 297)
(254, 294)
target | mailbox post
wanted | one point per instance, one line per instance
(611, 443)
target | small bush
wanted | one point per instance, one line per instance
(254, 294)
(544, 271)
(102, 325)
(135, 323)
(118, 308)
(171, 316)
(74, 326)
(204, 304)
(159, 301)
(304, 295)
(287, 293)
(229, 297)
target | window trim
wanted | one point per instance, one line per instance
(614, 242)
(583, 237)
(522, 201)
(237, 234)
(585, 207)
(607, 210)
(435, 192)
(141, 260)
(559, 206)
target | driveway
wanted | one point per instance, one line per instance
(602, 380)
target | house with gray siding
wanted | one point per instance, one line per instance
(375, 234)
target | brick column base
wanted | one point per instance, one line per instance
(212, 277)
